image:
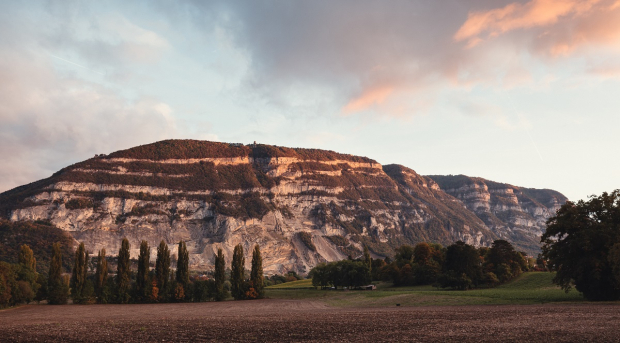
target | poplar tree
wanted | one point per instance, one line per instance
(183, 265)
(27, 269)
(78, 275)
(162, 268)
(101, 278)
(142, 279)
(237, 276)
(256, 275)
(367, 259)
(220, 276)
(58, 290)
(123, 273)
(26, 258)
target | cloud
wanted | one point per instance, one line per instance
(369, 98)
(398, 59)
(556, 27)
(368, 56)
(49, 118)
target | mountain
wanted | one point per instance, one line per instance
(515, 214)
(302, 206)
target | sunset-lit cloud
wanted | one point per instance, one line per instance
(560, 26)
(369, 98)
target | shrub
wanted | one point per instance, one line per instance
(306, 238)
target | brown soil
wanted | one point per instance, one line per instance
(292, 320)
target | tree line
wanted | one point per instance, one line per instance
(20, 282)
(458, 266)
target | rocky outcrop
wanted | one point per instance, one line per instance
(513, 213)
(216, 195)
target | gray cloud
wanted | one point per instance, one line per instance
(390, 57)
(49, 120)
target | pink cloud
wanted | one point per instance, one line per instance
(369, 98)
(537, 13)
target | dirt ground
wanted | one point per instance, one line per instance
(304, 320)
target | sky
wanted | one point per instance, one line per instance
(521, 92)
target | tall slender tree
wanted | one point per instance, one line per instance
(183, 265)
(123, 274)
(237, 274)
(101, 278)
(78, 275)
(26, 258)
(367, 259)
(257, 277)
(162, 268)
(142, 280)
(220, 275)
(27, 269)
(57, 290)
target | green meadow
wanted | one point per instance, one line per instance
(529, 288)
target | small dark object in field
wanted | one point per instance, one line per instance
(397, 304)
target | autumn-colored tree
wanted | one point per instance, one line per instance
(257, 278)
(78, 275)
(162, 268)
(26, 258)
(58, 290)
(142, 279)
(101, 278)
(26, 271)
(123, 274)
(5, 286)
(154, 291)
(237, 275)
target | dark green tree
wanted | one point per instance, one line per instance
(58, 290)
(182, 275)
(123, 274)
(367, 259)
(257, 278)
(162, 269)
(182, 290)
(504, 261)
(237, 274)
(462, 269)
(578, 245)
(320, 275)
(101, 278)
(220, 276)
(404, 255)
(78, 275)
(143, 284)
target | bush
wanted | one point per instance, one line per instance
(306, 238)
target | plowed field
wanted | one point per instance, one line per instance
(306, 320)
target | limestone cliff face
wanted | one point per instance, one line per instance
(216, 195)
(513, 213)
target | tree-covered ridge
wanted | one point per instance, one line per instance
(39, 236)
(454, 181)
(194, 149)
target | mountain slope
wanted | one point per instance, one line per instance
(513, 213)
(216, 195)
